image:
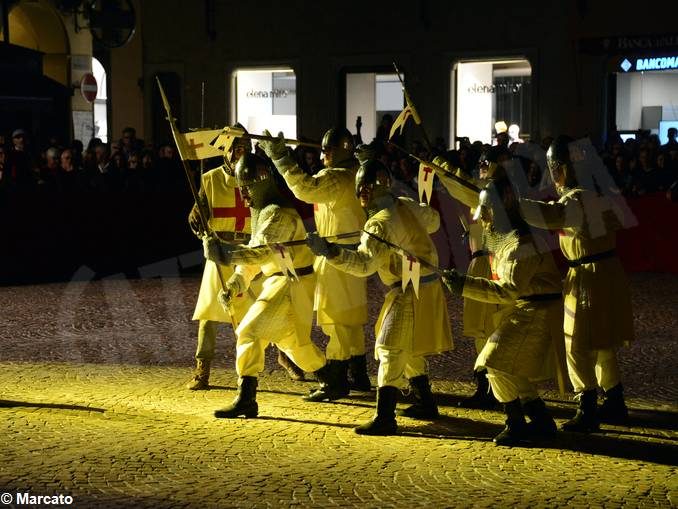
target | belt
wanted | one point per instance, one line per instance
(423, 279)
(541, 297)
(233, 236)
(480, 252)
(591, 258)
(301, 271)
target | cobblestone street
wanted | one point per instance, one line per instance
(94, 406)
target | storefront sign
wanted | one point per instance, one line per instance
(652, 63)
(502, 88)
(629, 43)
(269, 94)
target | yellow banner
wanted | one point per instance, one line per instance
(196, 144)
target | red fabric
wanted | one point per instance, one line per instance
(240, 212)
(652, 244)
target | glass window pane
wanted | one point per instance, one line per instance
(267, 99)
(371, 96)
(493, 96)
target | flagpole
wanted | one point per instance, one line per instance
(202, 120)
(191, 184)
(409, 102)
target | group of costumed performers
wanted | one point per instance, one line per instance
(268, 277)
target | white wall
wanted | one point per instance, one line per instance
(474, 109)
(254, 108)
(361, 100)
(636, 90)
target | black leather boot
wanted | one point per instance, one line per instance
(357, 369)
(541, 423)
(515, 432)
(614, 410)
(586, 418)
(483, 397)
(384, 421)
(425, 407)
(245, 402)
(295, 372)
(333, 382)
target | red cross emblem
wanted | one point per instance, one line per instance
(193, 146)
(239, 212)
(411, 259)
(426, 173)
(281, 250)
(495, 276)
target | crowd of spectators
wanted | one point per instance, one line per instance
(123, 165)
(639, 165)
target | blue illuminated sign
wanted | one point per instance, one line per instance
(649, 64)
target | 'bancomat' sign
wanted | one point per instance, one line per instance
(649, 64)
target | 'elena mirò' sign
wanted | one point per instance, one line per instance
(633, 64)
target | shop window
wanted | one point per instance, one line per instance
(492, 96)
(371, 96)
(647, 100)
(100, 103)
(266, 99)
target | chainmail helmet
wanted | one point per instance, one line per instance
(558, 160)
(338, 144)
(241, 145)
(375, 178)
(256, 179)
(498, 209)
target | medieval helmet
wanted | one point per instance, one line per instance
(498, 206)
(338, 141)
(373, 173)
(255, 178)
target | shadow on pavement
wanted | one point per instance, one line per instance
(447, 427)
(614, 447)
(59, 406)
(306, 421)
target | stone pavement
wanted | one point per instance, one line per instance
(91, 383)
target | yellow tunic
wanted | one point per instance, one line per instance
(227, 214)
(424, 330)
(340, 298)
(526, 330)
(597, 296)
(477, 316)
(284, 306)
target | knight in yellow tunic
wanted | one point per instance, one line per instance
(528, 333)
(598, 317)
(229, 219)
(340, 298)
(478, 317)
(408, 328)
(282, 313)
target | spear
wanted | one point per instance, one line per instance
(181, 148)
(299, 242)
(399, 250)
